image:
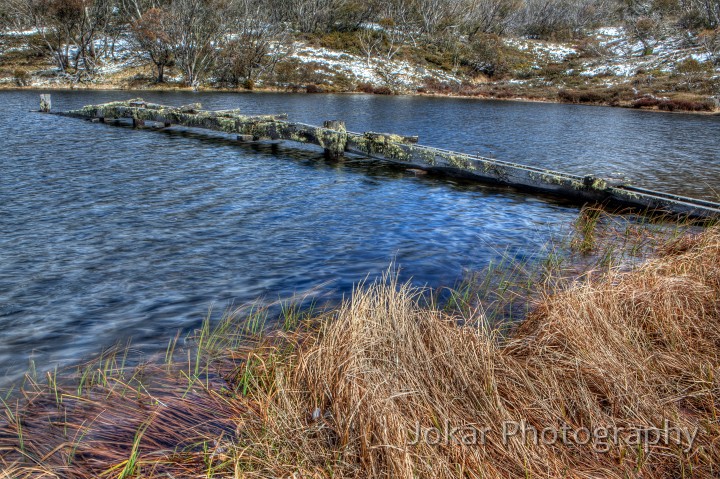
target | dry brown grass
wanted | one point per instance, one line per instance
(341, 395)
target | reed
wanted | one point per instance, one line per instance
(357, 391)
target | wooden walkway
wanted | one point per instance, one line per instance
(336, 140)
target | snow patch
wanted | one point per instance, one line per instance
(21, 33)
(627, 55)
(543, 51)
(375, 70)
(610, 31)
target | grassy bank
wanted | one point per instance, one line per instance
(379, 387)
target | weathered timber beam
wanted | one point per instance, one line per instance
(332, 141)
(588, 188)
(335, 140)
(392, 137)
(466, 165)
(167, 116)
(258, 127)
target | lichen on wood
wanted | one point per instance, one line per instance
(335, 140)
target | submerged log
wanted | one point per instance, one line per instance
(336, 140)
(225, 121)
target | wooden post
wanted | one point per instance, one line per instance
(137, 123)
(336, 151)
(45, 103)
(336, 125)
(244, 138)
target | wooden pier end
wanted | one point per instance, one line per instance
(45, 103)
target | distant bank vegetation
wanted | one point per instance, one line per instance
(241, 42)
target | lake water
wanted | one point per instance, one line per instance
(109, 233)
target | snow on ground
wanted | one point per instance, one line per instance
(626, 55)
(20, 33)
(13, 41)
(543, 51)
(609, 32)
(20, 48)
(624, 58)
(118, 58)
(329, 63)
(114, 56)
(377, 71)
(110, 59)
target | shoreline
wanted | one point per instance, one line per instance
(177, 88)
(387, 384)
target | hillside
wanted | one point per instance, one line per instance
(609, 65)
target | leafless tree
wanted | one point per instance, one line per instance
(542, 18)
(152, 34)
(68, 28)
(354, 13)
(57, 23)
(134, 9)
(6, 15)
(370, 42)
(394, 39)
(701, 13)
(649, 21)
(254, 45)
(15, 14)
(710, 40)
(588, 14)
(647, 30)
(96, 16)
(313, 15)
(488, 16)
(198, 29)
(436, 15)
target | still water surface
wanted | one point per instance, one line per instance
(109, 233)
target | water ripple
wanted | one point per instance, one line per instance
(109, 233)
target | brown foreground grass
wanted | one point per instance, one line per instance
(343, 395)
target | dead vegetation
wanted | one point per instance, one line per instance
(343, 393)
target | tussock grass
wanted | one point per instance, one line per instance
(342, 393)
